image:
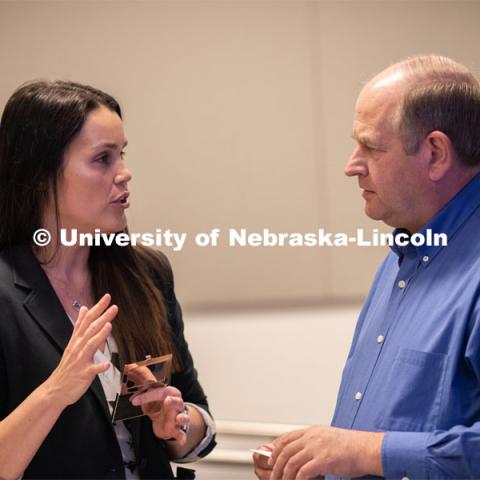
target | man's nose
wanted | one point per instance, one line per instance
(357, 164)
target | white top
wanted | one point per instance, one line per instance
(111, 383)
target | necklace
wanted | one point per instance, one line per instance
(75, 301)
(76, 304)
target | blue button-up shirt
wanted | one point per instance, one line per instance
(413, 370)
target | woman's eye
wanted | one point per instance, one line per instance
(103, 159)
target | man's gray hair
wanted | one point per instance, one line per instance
(442, 95)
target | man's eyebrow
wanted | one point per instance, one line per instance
(365, 139)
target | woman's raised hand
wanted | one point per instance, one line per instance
(77, 370)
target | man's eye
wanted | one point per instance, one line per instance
(123, 153)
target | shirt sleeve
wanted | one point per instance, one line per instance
(452, 453)
(442, 454)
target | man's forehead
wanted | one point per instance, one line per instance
(376, 106)
(375, 98)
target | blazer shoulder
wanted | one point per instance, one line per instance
(6, 271)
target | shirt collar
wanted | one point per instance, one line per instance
(450, 218)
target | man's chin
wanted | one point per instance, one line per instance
(382, 217)
(373, 213)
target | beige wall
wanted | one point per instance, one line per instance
(238, 115)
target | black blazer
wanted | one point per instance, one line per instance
(34, 331)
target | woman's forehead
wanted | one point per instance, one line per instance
(102, 128)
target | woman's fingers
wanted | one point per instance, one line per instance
(170, 419)
(77, 369)
(156, 395)
(173, 408)
(174, 419)
(101, 367)
(95, 312)
(166, 409)
(99, 323)
(81, 315)
(181, 419)
(140, 375)
(97, 340)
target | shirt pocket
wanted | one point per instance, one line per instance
(413, 392)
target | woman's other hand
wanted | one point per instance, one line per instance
(166, 409)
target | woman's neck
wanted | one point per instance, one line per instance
(67, 263)
(69, 275)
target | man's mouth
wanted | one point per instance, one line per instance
(366, 193)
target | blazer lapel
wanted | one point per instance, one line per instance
(46, 309)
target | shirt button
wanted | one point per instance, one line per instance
(425, 258)
(380, 339)
(358, 396)
(402, 283)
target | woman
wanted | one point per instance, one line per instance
(63, 343)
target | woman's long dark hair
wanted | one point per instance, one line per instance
(40, 119)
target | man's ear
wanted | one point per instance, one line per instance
(441, 156)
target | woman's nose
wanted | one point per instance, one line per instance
(123, 175)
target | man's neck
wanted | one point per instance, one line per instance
(443, 193)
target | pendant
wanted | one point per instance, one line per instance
(76, 305)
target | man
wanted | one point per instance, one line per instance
(409, 400)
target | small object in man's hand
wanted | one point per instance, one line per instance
(265, 453)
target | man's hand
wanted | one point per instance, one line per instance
(260, 463)
(318, 451)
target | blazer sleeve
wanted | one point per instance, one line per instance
(186, 380)
(6, 313)
(3, 386)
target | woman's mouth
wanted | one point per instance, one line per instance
(122, 200)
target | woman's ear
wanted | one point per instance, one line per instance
(441, 155)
